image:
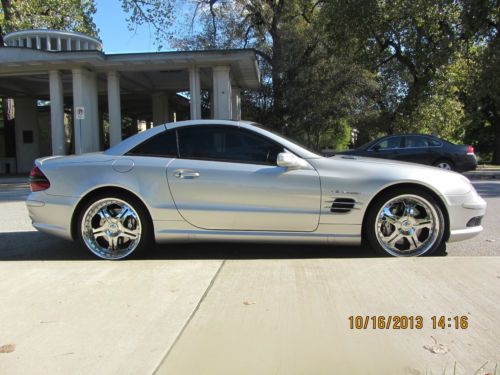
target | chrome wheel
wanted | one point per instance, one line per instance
(407, 225)
(111, 228)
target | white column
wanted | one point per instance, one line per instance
(160, 108)
(58, 135)
(236, 103)
(28, 42)
(195, 91)
(94, 111)
(85, 95)
(59, 45)
(38, 42)
(114, 109)
(49, 45)
(222, 92)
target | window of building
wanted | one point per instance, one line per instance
(27, 136)
(53, 44)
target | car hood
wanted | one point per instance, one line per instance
(380, 173)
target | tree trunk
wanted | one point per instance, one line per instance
(7, 15)
(277, 77)
(496, 144)
(277, 65)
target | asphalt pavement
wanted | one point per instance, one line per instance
(15, 223)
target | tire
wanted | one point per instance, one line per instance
(114, 225)
(445, 164)
(405, 222)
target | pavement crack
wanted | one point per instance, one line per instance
(188, 321)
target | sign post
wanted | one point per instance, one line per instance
(80, 115)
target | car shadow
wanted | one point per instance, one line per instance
(18, 246)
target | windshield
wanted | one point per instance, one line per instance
(298, 143)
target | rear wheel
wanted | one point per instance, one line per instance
(113, 226)
(405, 222)
(445, 164)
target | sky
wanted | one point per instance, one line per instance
(114, 33)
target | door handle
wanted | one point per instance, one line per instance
(186, 173)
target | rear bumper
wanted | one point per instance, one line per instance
(468, 163)
(51, 213)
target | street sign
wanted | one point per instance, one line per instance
(80, 113)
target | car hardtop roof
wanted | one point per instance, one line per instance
(178, 124)
(407, 134)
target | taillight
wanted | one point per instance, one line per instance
(38, 181)
(470, 150)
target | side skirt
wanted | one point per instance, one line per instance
(339, 234)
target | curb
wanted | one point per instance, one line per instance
(480, 175)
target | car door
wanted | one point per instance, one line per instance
(417, 150)
(226, 178)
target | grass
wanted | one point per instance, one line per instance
(480, 371)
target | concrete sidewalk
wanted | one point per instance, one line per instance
(248, 316)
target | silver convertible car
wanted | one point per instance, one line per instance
(214, 180)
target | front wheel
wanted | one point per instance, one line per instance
(113, 226)
(405, 222)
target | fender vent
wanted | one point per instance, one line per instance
(342, 205)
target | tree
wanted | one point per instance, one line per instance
(70, 15)
(482, 95)
(383, 66)
(301, 79)
(406, 42)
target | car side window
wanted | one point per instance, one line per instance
(224, 143)
(414, 141)
(163, 144)
(433, 142)
(388, 143)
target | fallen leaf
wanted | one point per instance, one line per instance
(413, 371)
(247, 303)
(491, 240)
(9, 348)
(437, 348)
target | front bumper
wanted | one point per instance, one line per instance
(461, 209)
(464, 234)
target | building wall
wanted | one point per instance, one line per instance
(27, 134)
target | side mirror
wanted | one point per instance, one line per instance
(290, 161)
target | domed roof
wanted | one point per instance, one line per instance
(52, 40)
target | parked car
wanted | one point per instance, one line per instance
(421, 149)
(214, 180)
